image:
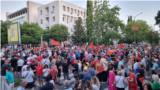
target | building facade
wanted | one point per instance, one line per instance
(28, 14)
(60, 12)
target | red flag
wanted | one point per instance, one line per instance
(109, 52)
(91, 45)
(59, 44)
(54, 42)
(104, 47)
(65, 43)
(35, 49)
(135, 28)
(43, 48)
(44, 44)
(121, 45)
(97, 47)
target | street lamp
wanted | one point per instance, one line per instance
(135, 25)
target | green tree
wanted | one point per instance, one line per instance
(104, 19)
(4, 35)
(89, 22)
(157, 18)
(79, 36)
(129, 18)
(153, 37)
(141, 33)
(58, 32)
(30, 33)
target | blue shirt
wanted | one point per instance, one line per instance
(119, 64)
(137, 69)
(20, 88)
(92, 72)
(70, 57)
(86, 77)
(156, 66)
(77, 54)
(47, 86)
(9, 77)
(68, 89)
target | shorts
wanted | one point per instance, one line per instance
(39, 77)
(29, 85)
(59, 74)
(19, 68)
(147, 68)
(35, 75)
(14, 69)
(54, 80)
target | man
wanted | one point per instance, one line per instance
(78, 76)
(59, 67)
(143, 61)
(33, 67)
(91, 70)
(14, 65)
(20, 64)
(77, 55)
(148, 63)
(23, 83)
(24, 68)
(45, 61)
(1, 63)
(29, 75)
(66, 85)
(155, 66)
(65, 66)
(39, 70)
(48, 85)
(10, 79)
(38, 58)
(87, 76)
(75, 66)
(4, 70)
(119, 63)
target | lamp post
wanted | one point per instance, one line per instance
(135, 25)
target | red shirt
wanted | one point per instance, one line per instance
(134, 82)
(38, 58)
(39, 70)
(53, 72)
(72, 60)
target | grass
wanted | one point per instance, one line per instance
(16, 82)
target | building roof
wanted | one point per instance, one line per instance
(17, 11)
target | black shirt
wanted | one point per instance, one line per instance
(47, 86)
(2, 62)
(13, 62)
(58, 64)
(4, 68)
(65, 67)
(76, 67)
(33, 67)
(141, 71)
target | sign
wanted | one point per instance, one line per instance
(135, 28)
(14, 36)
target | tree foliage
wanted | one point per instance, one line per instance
(79, 36)
(89, 20)
(141, 33)
(58, 32)
(153, 37)
(4, 38)
(129, 18)
(30, 33)
(157, 18)
(104, 19)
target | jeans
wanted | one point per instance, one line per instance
(4, 83)
(66, 75)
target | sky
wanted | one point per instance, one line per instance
(150, 8)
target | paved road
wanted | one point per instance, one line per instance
(103, 86)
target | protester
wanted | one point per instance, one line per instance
(23, 83)
(14, 65)
(112, 80)
(4, 70)
(155, 66)
(88, 85)
(147, 86)
(155, 84)
(66, 85)
(48, 85)
(140, 74)
(76, 85)
(87, 76)
(45, 71)
(10, 79)
(59, 67)
(20, 64)
(120, 81)
(65, 66)
(132, 80)
(39, 70)
(95, 83)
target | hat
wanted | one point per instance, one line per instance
(6, 61)
(28, 62)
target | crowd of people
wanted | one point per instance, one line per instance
(91, 67)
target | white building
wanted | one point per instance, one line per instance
(28, 14)
(60, 12)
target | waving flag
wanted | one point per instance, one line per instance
(104, 47)
(121, 45)
(54, 42)
(44, 44)
(35, 49)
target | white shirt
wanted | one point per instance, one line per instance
(45, 61)
(143, 61)
(50, 54)
(20, 62)
(74, 55)
(105, 67)
(24, 68)
(119, 82)
(95, 87)
(34, 56)
(135, 66)
(79, 65)
(123, 72)
(29, 77)
(46, 72)
(29, 58)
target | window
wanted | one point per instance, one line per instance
(64, 8)
(41, 12)
(78, 12)
(71, 19)
(67, 19)
(53, 19)
(81, 12)
(41, 21)
(26, 11)
(75, 11)
(68, 9)
(53, 8)
(84, 14)
(71, 10)
(23, 12)
(63, 18)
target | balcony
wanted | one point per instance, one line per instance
(71, 12)
(47, 24)
(47, 15)
(52, 11)
(77, 14)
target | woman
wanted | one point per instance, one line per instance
(79, 66)
(53, 61)
(155, 84)
(88, 85)
(130, 63)
(147, 85)
(95, 83)
(99, 69)
(76, 85)
(104, 73)
(132, 80)
(122, 70)
(112, 80)
(140, 74)
(120, 80)
(45, 71)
